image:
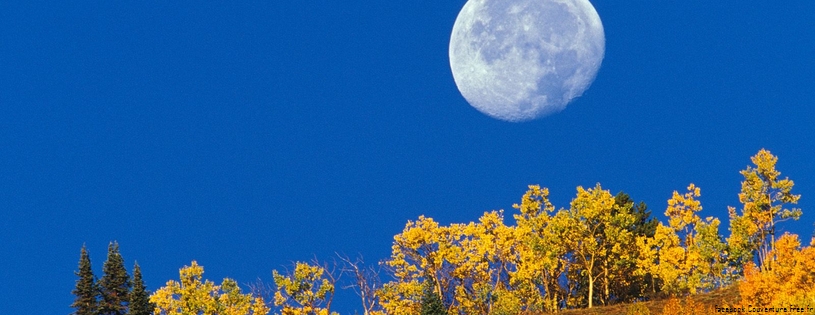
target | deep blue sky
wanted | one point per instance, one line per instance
(247, 136)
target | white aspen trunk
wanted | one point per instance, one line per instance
(591, 289)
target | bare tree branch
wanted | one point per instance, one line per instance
(365, 281)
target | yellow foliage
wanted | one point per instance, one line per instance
(763, 196)
(308, 291)
(194, 296)
(686, 306)
(789, 276)
(476, 267)
(596, 234)
(682, 210)
(541, 253)
(506, 303)
(688, 254)
(637, 308)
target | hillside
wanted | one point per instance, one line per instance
(729, 295)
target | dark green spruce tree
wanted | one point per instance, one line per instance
(646, 226)
(86, 291)
(140, 297)
(431, 301)
(114, 284)
(644, 223)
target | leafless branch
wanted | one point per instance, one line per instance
(365, 281)
(261, 289)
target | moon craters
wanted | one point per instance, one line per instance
(518, 60)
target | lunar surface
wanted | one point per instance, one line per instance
(518, 60)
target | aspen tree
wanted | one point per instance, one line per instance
(193, 295)
(764, 197)
(309, 290)
(595, 231)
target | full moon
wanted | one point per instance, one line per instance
(518, 60)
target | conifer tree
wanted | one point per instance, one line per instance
(628, 285)
(114, 284)
(644, 224)
(139, 297)
(86, 291)
(431, 301)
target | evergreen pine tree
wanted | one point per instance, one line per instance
(139, 297)
(114, 284)
(644, 225)
(431, 301)
(86, 291)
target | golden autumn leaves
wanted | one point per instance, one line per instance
(193, 295)
(488, 267)
(788, 277)
(687, 254)
(783, 273)
(601, 249)
(763, 196)
(307, 291)
(302, 293)
(591, 252)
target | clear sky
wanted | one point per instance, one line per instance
(250, 135)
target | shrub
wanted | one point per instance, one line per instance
(637, 309)
(687, 306)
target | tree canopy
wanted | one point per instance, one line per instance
(601, 249)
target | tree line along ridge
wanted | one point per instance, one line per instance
(603, 249)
